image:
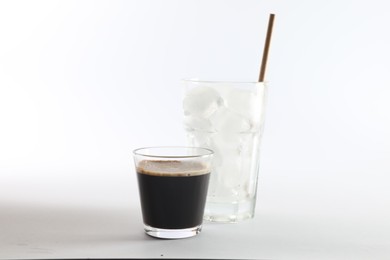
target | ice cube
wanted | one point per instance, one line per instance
(226, 142)
(196, 123)
(232, 159)
(247, 143)
(199, 138)
(229, 173)
(232, 174)
(247, 103)
(202, 102)
(228, 121)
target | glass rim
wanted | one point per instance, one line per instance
(194, 80)
(207, 151)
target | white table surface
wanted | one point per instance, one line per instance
(45, 230)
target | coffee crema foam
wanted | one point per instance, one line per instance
(172, 168)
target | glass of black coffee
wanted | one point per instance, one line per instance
(173, 183)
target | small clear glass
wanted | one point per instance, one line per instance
(173, 184)
(227, 117)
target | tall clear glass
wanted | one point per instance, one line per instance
(227, 117)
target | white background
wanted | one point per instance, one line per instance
(83, 83)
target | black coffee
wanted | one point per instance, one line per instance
(173, 193)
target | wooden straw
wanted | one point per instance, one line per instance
(266, 47)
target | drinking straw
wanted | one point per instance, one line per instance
(266, 47)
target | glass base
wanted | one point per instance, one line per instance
(229, 212)
(172, 233)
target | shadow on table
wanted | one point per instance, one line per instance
(22, 224)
